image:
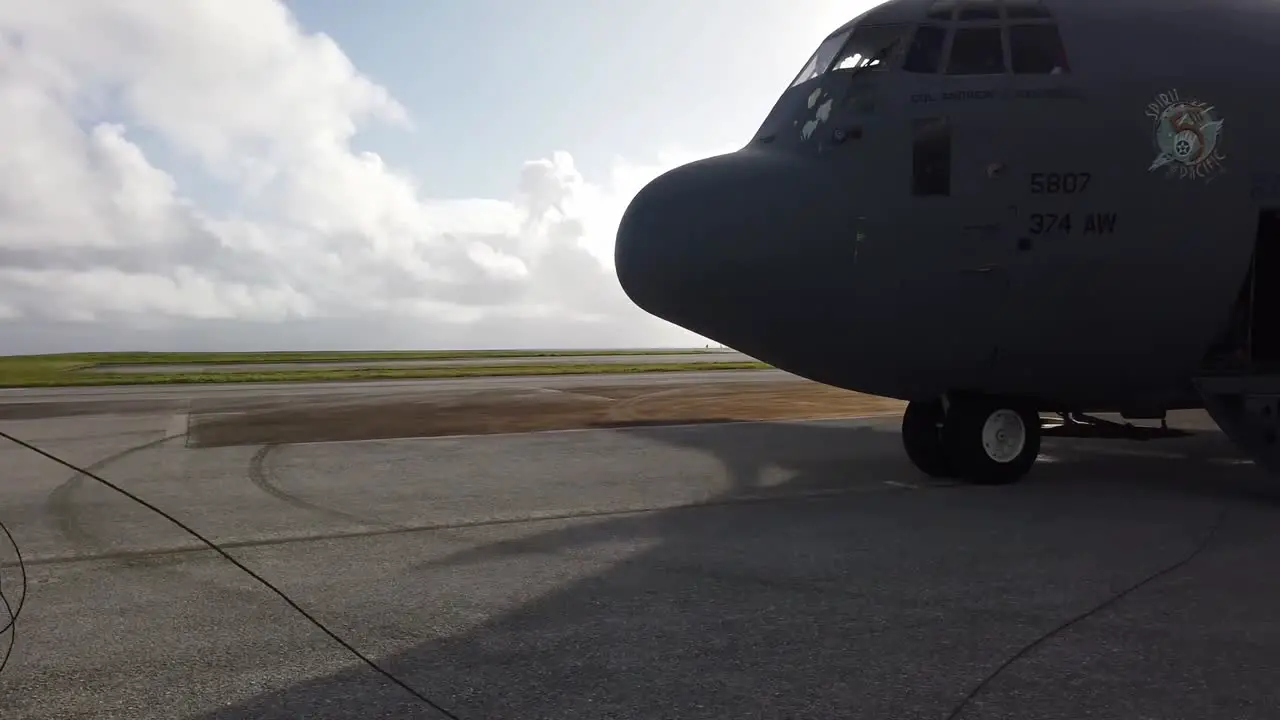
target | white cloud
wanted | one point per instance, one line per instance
(323, 238)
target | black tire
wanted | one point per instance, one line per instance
(922, 439)
(1009, 459)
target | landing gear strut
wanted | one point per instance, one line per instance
(981, 440)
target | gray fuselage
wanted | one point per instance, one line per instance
(1057, 264)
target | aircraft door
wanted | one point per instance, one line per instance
(958, 197)
(980, 282)
(973, 82)
(985, 242)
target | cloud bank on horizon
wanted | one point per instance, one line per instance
(310, 243)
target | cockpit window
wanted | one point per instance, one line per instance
(925, 53)
(976, 30)
(1037, 50)
(979, 10)
(942, 10)
(821, 59)
(1022, 9)
(976, 51)
(986, 10)
(872, 47)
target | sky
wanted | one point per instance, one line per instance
(327, 174)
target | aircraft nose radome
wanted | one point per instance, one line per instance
(660, 249)
(687, 238)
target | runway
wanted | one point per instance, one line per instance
(776, 569)
(232, 392)
(691, 357)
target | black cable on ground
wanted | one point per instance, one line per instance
(10, 626)
(1112, 600)
(420, 696)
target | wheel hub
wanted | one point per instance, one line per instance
(1004, 435)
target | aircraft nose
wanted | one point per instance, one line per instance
(697, 237)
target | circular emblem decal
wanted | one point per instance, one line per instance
(1187, 135)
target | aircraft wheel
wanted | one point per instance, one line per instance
(922, 438)
(990, 442)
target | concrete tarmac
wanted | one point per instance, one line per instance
(769, 570)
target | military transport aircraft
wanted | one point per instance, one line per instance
(995, 209)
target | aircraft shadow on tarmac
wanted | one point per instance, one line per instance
(885, 601)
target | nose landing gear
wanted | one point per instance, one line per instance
(981, 440)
